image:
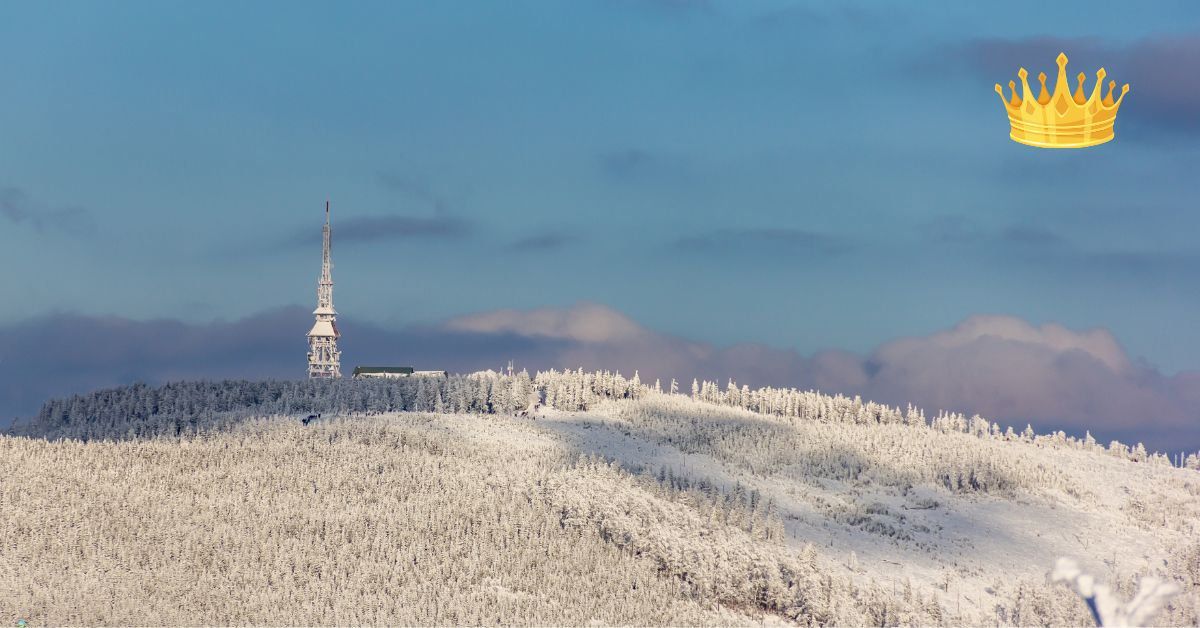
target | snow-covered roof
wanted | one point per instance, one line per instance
(323, 329)
(400, 370)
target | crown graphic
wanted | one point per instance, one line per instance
(1063, 120)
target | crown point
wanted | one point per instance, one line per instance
(1080, 97)
(1062, 59)
(1026, 93)
(1043, 97)
(1124, 90)
(1000, 92)
(1100, 74)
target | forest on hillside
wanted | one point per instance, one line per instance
(189, 407)
(427, 518)
(206, 502)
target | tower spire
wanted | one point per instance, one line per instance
(324, 359)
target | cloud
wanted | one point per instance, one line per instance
(61, 354)
(370, 228)
(441, 224)
(640, 166)
(999, 366)
(1161, 71)
(626, 162)
(543, 242)
(764, 241)
(1025, 235)
(1003, 56)
(1165, 71)
(18, 208)
(1015, 240)
(584, 323)
(387, 227)
(1052, 250)
(1097, 344)
(415, 187)
(1005, 368)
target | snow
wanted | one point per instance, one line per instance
(819, 509)
(975, 540)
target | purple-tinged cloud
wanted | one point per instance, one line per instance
(18, 208)
(999, 366)
(1004, 367)
(1165, 86)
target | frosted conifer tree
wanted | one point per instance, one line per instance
(1106, 608)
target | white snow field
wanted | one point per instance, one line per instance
(656, 510)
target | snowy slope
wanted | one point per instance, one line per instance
(883, 501)
(656, 510)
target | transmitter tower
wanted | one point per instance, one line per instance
(324, 359)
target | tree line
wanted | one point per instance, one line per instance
(179, 408)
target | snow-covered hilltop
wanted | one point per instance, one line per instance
(609, 501)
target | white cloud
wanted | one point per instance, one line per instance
(585, 322)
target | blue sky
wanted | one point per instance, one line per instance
(808, 176)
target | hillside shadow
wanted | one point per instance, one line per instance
(959, 524)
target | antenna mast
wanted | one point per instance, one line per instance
(324, 359)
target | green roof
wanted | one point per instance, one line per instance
(403, 370)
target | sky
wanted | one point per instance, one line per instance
(788, 193)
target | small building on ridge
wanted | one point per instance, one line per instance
(393, 372)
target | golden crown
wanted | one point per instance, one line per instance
(1062, 120)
